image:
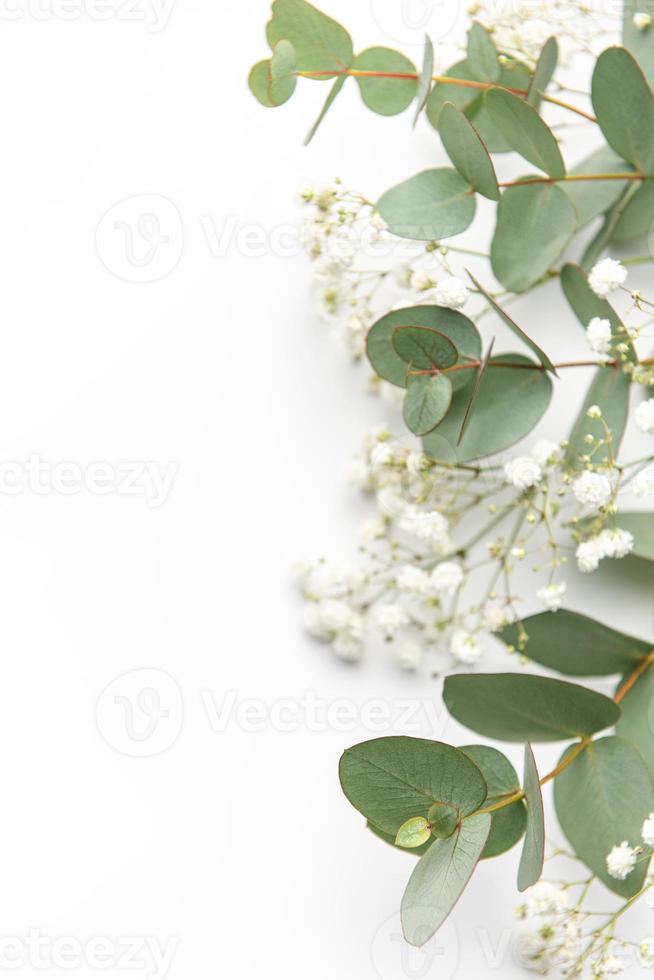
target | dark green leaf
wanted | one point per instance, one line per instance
(526, 132)
(604, 234)
(624, 107)
(321, 43)
(574, 644)
(467, 152)
(475, 391)
(423, 348)
(636, 723)
(434, 204)
(534, 224)
(586, 304)
(440, 877)
(512, 325)
(510, 402)
(507, 824)
(329, 101)
(386, 96)
(443, 819)
(426, 402)
(526, 708)
(533, 851)
(389, 365)
(641, 525)
(392, 779)
(545, 68)
(482, 57)
(609, 390)
(426, 77)
(640, 41)
(602, 799)
(637, 218)
(593, 197)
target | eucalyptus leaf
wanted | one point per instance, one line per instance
(440, 877)
(510, 402)
(512, 325)
(586, 304)
(474, 392)
(604, 234)
(334, 92)
(426, 78)
(636, 723)
(321, 44)
(576, 645)
(640, 40)
(386, 96)
(534, 224)
(609, 390)
(593, 197)
(508, 823)
(427, 401)
(424, 348)
(392, 779)
(444, 820)
(387, 363)
(390, 839)
(482, 57)
(273, 81)
(525, 131)
(641, 525)
(624, 106)
(544, 72)
(533, 851)
(434, 204)
(413, 833)
(601, 799)
(637, 218)
(467, 152)
(526, 707)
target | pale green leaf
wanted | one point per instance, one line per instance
(386, 96)
(467, 152)
(636, 723)
(543, 73)
(413, 833)
(525, 131)
(329, 101)
(640, 40)
(508, 823)
(482, 56)
(624, 106)
(426, 78)
(426, 402)
(434, 204)
(637, 218)
(533, 850)
(321, 44)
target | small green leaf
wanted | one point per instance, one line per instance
(601, 799)
(390, 839)
(636, 723)
(587, 305)
(434, 204)
(637, 217)
(389, 365)
(440, 877)
(544, 72)
(609, 390)
(482, 55)
(512, 325)
(526, 708)
(593, 197)
(413, 833)
(624, 106)
(576, 645)
(508, 823)
(641, 525)
(474, 392)
(386, 96)
(392, 779)
(510, 403)
(329, 101)
(534, 224)
(273, 82)
(444, 819)
(533, 851)
(426, 78)
(467, 152)
(525, 131)
(321, 44)
(427, 401)
(424, 348)
(639, 40)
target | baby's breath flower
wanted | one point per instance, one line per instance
(616, 543)
(552, 596)
(523, 472)
(621, 860)
(598, 335)
(643, 482)
(647, 830)
(593, 489)
(410, 655)
(389, 617)
(465, 647)
(642, 21)
(446, 578)
(605, 276)
(644, 417)
(589, 554)
(451, 292)
(544, 898)
(646, 952)
(546, 452)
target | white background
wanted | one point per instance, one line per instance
(234, 846)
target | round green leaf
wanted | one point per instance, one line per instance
(638, 216)
(443, 819)
(386, 96)
(432, 205)
(510, 402)
(424, 348)
(467, 152)
(321, 43)
(526, 708)
(482, 56)
(507, 824)
(642, 528)
(533, 851)
(413, 833)
(525, 131)
(439, 878)
(601, 799)
(576, 645)
(426, 403)
(636, 723)
(389, 365)
(624, 106)
(534, 224)
(640, 42)
(392, 779)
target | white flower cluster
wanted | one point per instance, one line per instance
(622, 858)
